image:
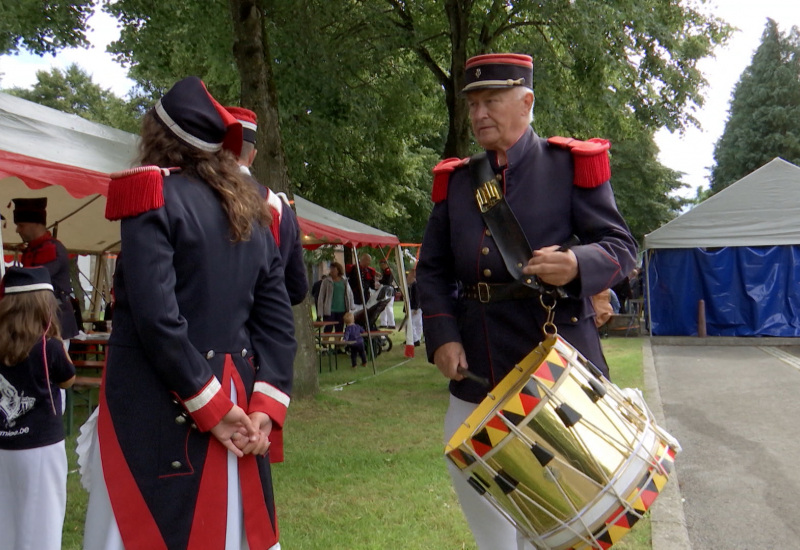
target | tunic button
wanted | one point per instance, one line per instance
(487, 272)
(485, 250)
(210, 354)
(487, 233)
(574, 319)
(180, 420)
(176, 465)
(244, 352)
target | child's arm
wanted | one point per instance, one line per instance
(67, 383)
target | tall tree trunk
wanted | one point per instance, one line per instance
(458, 134)
(251, 51)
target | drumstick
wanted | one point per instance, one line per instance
(466, 373)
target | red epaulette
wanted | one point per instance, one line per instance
(592, 167)
(132, 192)
(441, 176)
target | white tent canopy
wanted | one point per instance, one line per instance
(48, 153)
(761, 209)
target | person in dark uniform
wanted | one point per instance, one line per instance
(386, 318)
(362, 276)
(474, 317)
(199, 371)
(285, 227)
(42, 249)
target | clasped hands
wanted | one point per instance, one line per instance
(244, 434)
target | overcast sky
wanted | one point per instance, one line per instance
(691, 153)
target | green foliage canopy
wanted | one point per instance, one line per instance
(73, 91)
(764, 116)
(43, 27)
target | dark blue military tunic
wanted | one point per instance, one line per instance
(193, 313)
(49, 252)
(458, 250)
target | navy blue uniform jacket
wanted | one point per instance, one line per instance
(458, 249)
(194, 311)
(49, 252)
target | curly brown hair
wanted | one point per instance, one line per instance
(24, 318)
(219, 170)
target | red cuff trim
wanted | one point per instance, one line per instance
(135, 191)
(441, 177)
(276, 444)
(409, 351)
(592, 167)
(209, 405)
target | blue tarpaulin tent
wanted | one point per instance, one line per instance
(739, 252)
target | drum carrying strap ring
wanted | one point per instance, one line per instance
(549, 327)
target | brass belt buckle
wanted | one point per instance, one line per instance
(483, 293)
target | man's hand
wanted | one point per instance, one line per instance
(260, 446)
(235, 425)
(448, 358)
(553, 266)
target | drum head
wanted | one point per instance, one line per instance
(564, 454)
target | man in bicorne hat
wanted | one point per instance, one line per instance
(285, 227)
(42, 249)
(476, 316)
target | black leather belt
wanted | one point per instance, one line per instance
(497, 292)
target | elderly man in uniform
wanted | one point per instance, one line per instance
(42, 249)
(285, 227)
(478, 320)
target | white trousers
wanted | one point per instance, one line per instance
(386, 318)
(492, 531)
(33, 497)
(416, 324)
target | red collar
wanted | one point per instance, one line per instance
(41, 240)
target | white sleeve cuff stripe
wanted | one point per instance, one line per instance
(204, 397)
(273, 393)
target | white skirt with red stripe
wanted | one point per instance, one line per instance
(101, 531)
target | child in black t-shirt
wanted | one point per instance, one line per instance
(33, 366)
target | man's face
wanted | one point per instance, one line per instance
(364, 261)
(498, 116)
(30, 231)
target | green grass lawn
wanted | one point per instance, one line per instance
(364, 467)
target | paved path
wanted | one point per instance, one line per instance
(736, 411)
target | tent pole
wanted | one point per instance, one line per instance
(408, 351)
(646, 291)
(364, 306)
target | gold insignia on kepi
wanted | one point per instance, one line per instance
(498, 70)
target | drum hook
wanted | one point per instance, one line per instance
(549, 327)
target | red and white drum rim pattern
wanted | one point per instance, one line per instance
(569, 458)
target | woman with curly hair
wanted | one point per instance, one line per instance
(199, 368)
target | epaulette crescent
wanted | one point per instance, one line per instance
(132, 192)
(441, 176)
(590, 158)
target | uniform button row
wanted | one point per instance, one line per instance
(210, 353)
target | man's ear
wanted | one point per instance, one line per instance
(252, 157)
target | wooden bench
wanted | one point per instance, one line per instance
(88, 377)
(329, 344)
(619, 323)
